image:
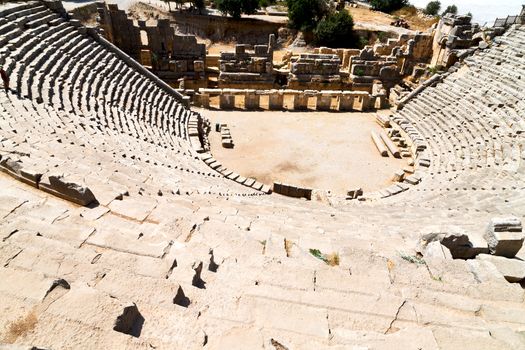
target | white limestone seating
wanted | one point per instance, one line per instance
(68, 85)
(178, 257)
(326, 100)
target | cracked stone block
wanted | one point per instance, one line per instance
(73, 192)
(512, 269)
(504, 236)
(20, 172)
(460, 244)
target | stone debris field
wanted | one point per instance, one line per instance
(119, 230)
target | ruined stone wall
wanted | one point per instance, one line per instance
(315, 71)
(343, 54)
(453, 35)
(119, 29)
(248, 66)
(174, 58)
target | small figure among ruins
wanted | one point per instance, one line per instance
(5, 79)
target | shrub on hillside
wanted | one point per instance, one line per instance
(451, 9)
(306, 14)
(336, 31)
(235, 8)
(432, 8)
(388, 5)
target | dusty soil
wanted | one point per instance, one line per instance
(364, 18)
(331, 151)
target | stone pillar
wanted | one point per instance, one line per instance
(300, 101)
(251, 100)
(226, 100)
(362, 102)
(380, 102)
(205, 100)
(275, 100)
(345, 101)
(323, 101)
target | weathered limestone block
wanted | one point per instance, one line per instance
(437, 250)
(30, 176)
(504, 236)
(226, 101)
(460, 244)
(345, 101)
(389, 73)
(251, 100)
(398, 176)
(390, 145)
(204, 100)
(512, 269)
(275, 100)
(58, 186)
(323, 101)
(300, 101)
(362, 102)
(379, 144)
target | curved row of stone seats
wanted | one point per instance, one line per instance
(76, 74)
(472, 123)
(100, 254)
(71, 75)
(65, 74)
(54, 140)
(198, 270)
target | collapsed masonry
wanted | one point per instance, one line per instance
(249, 66)
(455, 38)
(177, 59)
(386, 72)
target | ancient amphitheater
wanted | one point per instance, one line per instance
(119, 230)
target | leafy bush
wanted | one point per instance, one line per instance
(433, 8)
(266, 3)
(388, 5)
(306, 14)
(451, 9)
(336, 31)
(235, 8)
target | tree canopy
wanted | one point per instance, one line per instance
(235, 8)
(336, 30)
(433, 8)
(451, 9)
(306, 14)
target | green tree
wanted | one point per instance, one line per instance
(432, 8)
(388, 5)
(306, 14)
(198, 4)
(266, 3)
(336, 30)
(451, 9)
(235, 8)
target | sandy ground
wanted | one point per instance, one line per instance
(331, 151)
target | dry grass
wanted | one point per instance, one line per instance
(21, 327)
(288, 247)
(332, 259)
(415, 19)
(390, 265)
